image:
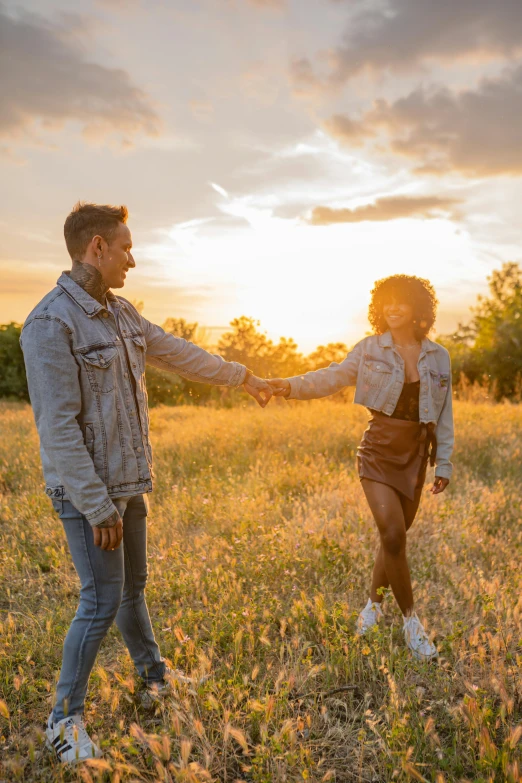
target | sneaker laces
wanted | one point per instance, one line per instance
(74, 731)
(415, 629)
(372, 609)
(369, 616)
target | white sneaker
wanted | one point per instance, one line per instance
(417, 639)
(155, 691)
(370, 616)
(69, 738)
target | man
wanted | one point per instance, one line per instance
(85, 351)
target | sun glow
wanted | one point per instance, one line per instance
(307, 282)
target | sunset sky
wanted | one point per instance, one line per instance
(276, 156)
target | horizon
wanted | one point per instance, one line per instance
(276, 158)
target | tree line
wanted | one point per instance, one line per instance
(486, 351)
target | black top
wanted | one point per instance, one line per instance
(407, 407)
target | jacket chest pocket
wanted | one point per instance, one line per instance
(138, 353)
(439, 383)
(376, 372)
(100, 368)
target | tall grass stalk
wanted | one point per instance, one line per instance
(260, 548)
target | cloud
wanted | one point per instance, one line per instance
(47, 81)
(120, 6)
(349, 131)
(399, 34)
(303, 78)
(387, 208)
(268, 3)
(264, 5)
(123, 5)
(202, 109)
(474, 132)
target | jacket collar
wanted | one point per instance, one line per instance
(386, 341)
(84, 300)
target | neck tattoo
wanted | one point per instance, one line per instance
(90, 279)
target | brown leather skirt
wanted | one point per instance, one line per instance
(396, 452)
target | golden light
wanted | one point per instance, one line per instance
(306, 282)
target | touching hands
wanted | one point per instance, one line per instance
(108, 534)
(280, 387)
(262, 390)
(258, 389)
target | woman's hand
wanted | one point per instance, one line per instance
(280, 386)
(439, 485)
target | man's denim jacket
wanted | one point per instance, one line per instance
(376, 369)
(92, 417)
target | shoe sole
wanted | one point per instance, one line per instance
(420, 657)
(364, 632)
(359, 632)
(51, 747)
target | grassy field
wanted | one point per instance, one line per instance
(260, 551)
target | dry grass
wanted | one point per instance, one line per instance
(260, 554)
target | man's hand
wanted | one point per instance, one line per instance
(258, 389)
(280, 387)
(109, 533)
(439, 485)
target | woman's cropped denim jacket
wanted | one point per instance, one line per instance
(376, 369)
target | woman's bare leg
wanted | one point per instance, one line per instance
(385, 505)
(379, 576)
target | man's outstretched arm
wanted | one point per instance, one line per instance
(178, 355)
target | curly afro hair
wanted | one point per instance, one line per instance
(408, 289)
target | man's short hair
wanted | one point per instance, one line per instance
(86, 221)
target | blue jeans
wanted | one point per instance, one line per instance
(112, 588)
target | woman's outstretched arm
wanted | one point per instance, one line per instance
(321, 383)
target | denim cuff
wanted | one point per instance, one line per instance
(102, 513)
(239, 375)
(294, 388)
(444, 471)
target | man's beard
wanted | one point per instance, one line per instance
(89, 278)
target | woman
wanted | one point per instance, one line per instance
(404, 379)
